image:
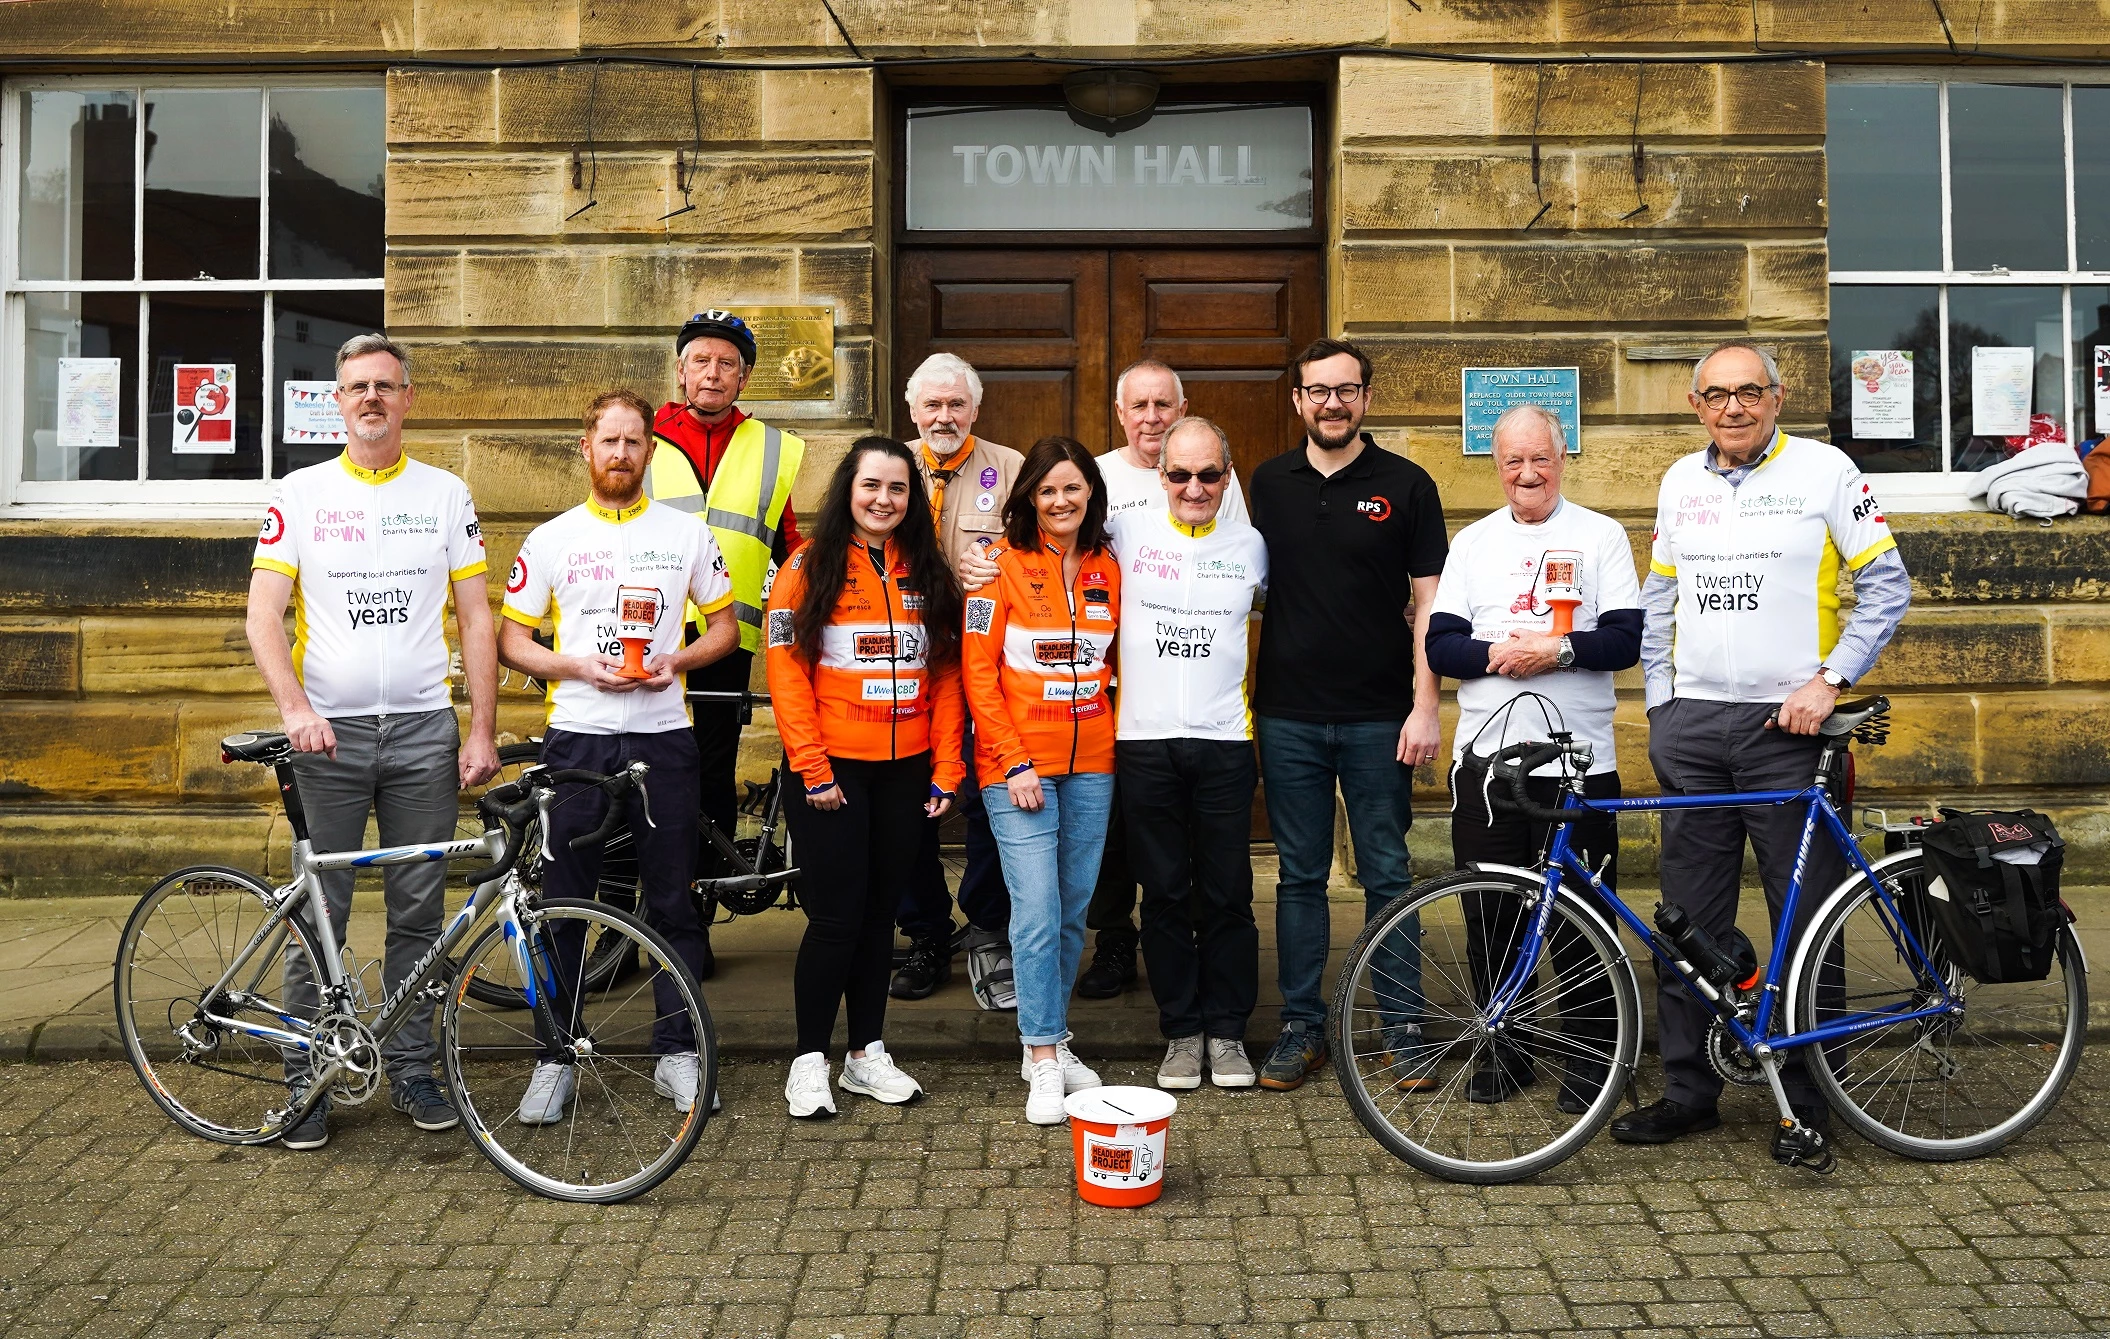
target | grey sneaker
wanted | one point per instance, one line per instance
(1295, 1054)
(1228, 1065)
(421, 1098)
(313, 1131)
(1182, 1067)
(989, 973)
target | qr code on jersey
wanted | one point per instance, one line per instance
(781, 633)
(981, 615)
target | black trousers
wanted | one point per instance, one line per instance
(666, 859)
(926, 907)
(1495, 926)
(1113, 903)
(1188, 806)
(716, 726)
(856, 862)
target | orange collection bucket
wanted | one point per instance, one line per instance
(1118, 1135)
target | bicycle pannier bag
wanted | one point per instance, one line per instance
(1992, 891)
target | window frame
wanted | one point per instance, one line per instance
(1947, 490)
(141, 498)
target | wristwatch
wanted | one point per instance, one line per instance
(1839, 682)
(1566, 658)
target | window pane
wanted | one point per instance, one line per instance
(2091, 331)
(76, 185)
(1904, 319)
(328, 148)
(205, 330)
(310, 326)
(202, 183)
(2091, 176)
(2025, 318)
(2007, 177)
(1883, 150)
(68, 403)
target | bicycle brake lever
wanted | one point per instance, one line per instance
(644, 801)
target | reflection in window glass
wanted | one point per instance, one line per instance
(309, 329)
(78, 421)
(2007, 177)
(1867, 319)
(204, 329)
(2008, 317)
(2091, 176)
(328, 149)
(1883, 147)
(76, 189)
(2091, 387)
(203, 182)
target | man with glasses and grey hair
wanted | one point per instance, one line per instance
(372, 543)
(1742, 621)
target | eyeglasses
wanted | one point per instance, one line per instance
(387, 390)
(1209, 478)
(1747, 395)
(1347, 393)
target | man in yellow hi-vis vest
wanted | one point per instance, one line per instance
(736, 472)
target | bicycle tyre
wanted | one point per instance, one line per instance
(2013, 1068)
(616, 1105)
(1445, 1134)
(210, 1090)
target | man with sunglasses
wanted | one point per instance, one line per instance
(1741, 620)
(1346, 698)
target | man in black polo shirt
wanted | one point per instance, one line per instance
(1355, 545)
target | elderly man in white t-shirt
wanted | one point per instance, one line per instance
(1492, 629)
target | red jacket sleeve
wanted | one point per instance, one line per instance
(791, 697)
(982, 667)
(948, 729)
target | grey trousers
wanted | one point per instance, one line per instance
(403, 770)
(1700, 747)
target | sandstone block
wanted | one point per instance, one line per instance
(1972, 557)
(442, 106)
(1817, 22)
(513, 380)
(889, 26)
(79, 750)
(1212, 24)
(1395, 285)
(441, 450)
(1448, 22)
(532, 475)
(510, 25)
(1419, 375)
(688, 24)
(1650, 387)
(53, 565)
(40, 656)
(632, 103)
(1549, 282)
(177, 27)
(1965, 648)
(842, 276)
(1742, 191)
(1935, 739)
(816, 106)
(825, 448)
(2044, 739)
(549, 289)
(1399, 99)
(424, 288)
(1790, 282)
(453, 195)
(56, 850)
(660, 288)
(1618, 472)
(1655, 22)
(1597, 101)
(200, 726)
(2080, 646)
(1421, 192)
(129, 653)
(1776, 98)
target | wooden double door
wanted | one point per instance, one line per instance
(1049, 330)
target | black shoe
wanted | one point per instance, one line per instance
(1578, 1091)
(1295, 1055)
(1664, 1121)
(928, 967)
(314, 1128)
(707, 963)
(1113, 968)
(421, 1098)
(1500, 1076)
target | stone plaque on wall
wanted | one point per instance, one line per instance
(794, 354)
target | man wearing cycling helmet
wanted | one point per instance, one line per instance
(621, 567)
(708, 446)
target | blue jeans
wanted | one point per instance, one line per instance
(1300, 762)
(1051, 863)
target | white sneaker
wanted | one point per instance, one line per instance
(806, 1091)
(675, 1076)
(549, 1088)
(1229, 1065)
(1076, 1075)
(876, 1075)
(1044, 1103)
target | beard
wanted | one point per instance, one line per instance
(617, 485)
(1333, 434)
(945, 440)
(370, 435)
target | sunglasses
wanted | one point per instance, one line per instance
(1209, 478)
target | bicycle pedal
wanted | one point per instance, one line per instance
(1801, 1146)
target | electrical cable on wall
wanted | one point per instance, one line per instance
(684, 172)
(1538, 105)
(593, 86)
(1640, 205)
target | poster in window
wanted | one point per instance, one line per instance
(2001, 382)
(203, 424)
(2102, 388)
(88, 398)
(1882, 394)
(310, 415)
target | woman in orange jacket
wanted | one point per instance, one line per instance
(864, 677)
(1036, 661)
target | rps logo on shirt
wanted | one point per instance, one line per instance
(516, 580)
(1377, 508)
(274, 527)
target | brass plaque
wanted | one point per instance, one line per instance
(794, 352)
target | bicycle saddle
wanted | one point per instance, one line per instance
(1850, 715)
(251, 746)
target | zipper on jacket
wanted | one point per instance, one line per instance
(1076, 727)
(893, 664)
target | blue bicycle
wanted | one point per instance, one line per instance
(1523, 971)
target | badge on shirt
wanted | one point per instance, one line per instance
(985, 502)
(988, 478)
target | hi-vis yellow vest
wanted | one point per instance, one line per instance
(743, 507)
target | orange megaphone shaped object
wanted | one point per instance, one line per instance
(637, 613)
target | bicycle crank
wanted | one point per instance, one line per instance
(1729, 1060)
(348, 1044)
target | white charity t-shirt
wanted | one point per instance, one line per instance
(579, 561)
(1131, 486)
(373, 555)
(1494, 579)
(1185, 597)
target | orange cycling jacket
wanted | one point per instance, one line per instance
(1037, 659)
(872, 694)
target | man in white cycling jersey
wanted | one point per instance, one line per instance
(367, 548)
(1191, 577)
(1741, 620)
(621, 566)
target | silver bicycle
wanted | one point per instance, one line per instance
(223, 1019)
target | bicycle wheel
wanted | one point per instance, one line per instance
(1461, 1101)
(215, 1082)
(617, 886)
(617, 1137)
(1944, 1088)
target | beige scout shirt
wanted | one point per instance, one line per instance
(974, 497)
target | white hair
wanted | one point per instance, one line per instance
(945, 367)
(1537, 413)
(1765, 360)
(1223, 443)
(1146, 365)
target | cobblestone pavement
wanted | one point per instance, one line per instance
(955, 1218)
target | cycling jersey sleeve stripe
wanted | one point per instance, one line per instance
(1871, 553)
(724, 602)
(525, 620)
(475, 569)
(1662, 570)
(274, 565)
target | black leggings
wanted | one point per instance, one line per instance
(854, 865)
